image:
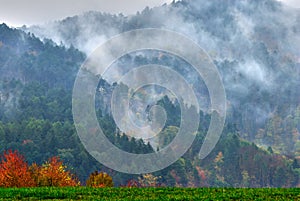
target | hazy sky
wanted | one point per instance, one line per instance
(19, 12)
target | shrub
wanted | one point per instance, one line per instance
(101, 179)
(132, 184)
(148, 180)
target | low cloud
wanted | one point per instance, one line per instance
(18, 13)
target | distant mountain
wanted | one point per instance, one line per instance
(254, 43)
(26, 59)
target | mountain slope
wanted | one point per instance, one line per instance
(255, 45)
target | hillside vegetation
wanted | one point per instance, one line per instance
(260, 144)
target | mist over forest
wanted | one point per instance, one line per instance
(255, 44)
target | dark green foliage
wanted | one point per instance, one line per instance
(26, 58)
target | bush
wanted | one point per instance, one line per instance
(99, 180)
(148, 180)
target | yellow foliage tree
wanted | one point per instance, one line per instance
(99, 179)
(53, 173)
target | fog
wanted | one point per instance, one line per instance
(17, 13)
(254, 44)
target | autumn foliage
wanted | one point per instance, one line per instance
(53, 173)
(148, 180)
(132, 184)
(145, 180)
(15, 172)
(99, 179)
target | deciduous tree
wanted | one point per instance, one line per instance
(14, 171)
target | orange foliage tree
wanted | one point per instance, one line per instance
(53, 173)
(14, 171)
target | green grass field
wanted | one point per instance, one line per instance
(83, 193)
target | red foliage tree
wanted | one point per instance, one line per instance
(14, 171)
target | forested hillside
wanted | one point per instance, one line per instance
(254, 44)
